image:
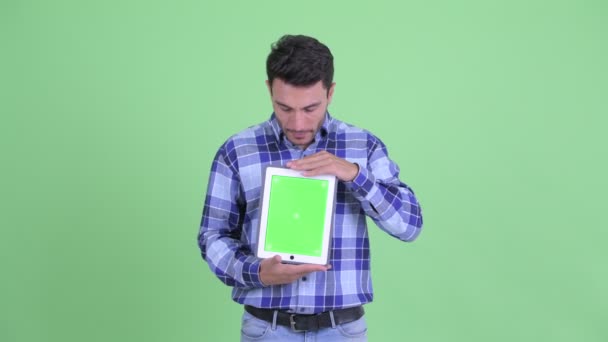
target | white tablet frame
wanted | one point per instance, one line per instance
(295, 258)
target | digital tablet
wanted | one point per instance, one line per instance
(296, 216)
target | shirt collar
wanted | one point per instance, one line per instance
(279, 135)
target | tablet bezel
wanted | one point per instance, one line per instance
(296, 258)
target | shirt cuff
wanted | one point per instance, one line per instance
(363, 182)
(251, 274)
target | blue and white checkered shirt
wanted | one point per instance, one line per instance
(231, 216)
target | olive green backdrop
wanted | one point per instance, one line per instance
(111, 112)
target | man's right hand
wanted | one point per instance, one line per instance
(273, 272)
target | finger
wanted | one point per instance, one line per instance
(321, 170)
(323, 155)
(310, 160)
(320, 154)
(273, 261)
(342, 169)
(306, 269)
(311, 164)
(305, 159)
(301, 270)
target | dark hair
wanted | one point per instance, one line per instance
(300, 61)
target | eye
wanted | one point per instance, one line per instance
(286, 110)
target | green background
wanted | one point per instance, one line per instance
(306, 198)
(111, 112)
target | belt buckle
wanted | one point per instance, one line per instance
(292, 322)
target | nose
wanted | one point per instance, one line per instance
(298, 121)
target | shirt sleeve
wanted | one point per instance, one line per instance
(219, 237)
(390, 203)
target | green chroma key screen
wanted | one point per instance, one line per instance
(296, 215)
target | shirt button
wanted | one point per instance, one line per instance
(303, 278)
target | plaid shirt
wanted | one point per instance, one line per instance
(230, 219)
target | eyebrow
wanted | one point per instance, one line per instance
(310, 106)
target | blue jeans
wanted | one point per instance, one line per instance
(254, 329)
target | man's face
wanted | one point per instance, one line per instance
(300, 110)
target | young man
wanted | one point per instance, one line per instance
(293, 302)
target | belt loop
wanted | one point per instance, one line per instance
(274, 320)
(333, 321)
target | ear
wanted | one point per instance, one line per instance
(330, 93)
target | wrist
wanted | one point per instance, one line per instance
(261, 277)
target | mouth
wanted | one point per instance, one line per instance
(299, 135)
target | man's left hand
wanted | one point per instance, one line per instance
(325, 163)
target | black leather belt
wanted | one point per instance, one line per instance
(307, 322)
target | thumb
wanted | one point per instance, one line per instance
(276, 259)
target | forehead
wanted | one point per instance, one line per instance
(297, 95)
